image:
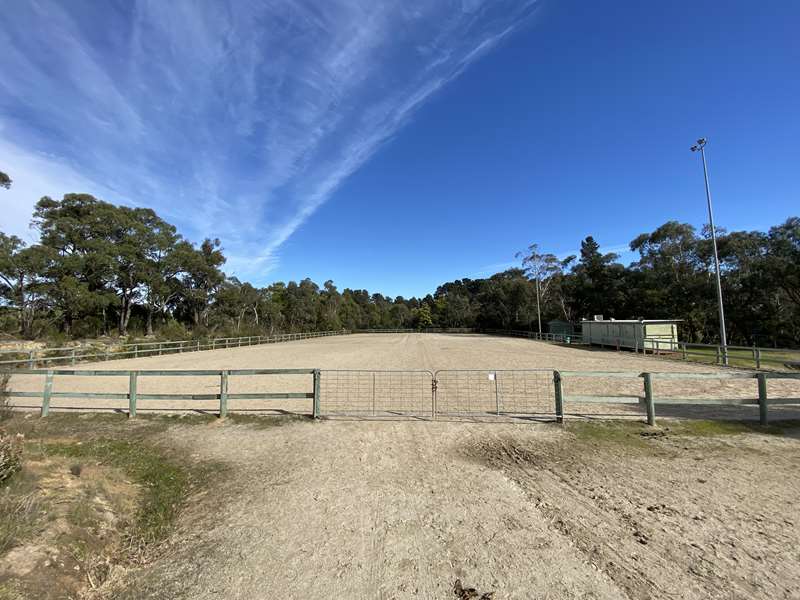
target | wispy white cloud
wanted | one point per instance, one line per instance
(235, 120)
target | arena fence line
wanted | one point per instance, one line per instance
(649, 399)
(424, 394)
(73, 354)
(748, 357)
(133, 396)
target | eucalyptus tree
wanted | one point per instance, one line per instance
(200, 277)
(77, 239)
(19, 280)
(542, 268)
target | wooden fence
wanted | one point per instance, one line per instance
(751, 357)
(73, 354)
(650, 400)
(133, 396)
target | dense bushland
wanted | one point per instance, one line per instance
(101, 269)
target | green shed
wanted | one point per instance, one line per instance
(638, 334)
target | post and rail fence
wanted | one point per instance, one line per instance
(72, 355)
(748, 357)
(414, 394)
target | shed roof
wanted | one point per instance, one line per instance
(633, 321)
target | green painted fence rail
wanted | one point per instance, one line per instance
(74, 354)
(649, 399)
(133, 395)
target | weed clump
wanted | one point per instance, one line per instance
(10, 454)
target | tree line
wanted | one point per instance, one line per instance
(100, 269)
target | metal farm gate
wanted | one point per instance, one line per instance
(376, 393)
(446, 393)
(477, 392)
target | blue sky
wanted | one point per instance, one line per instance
(398, 145)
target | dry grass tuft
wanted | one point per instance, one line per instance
(10, 454)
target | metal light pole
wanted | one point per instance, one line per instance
(701, 144)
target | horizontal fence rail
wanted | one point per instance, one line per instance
(649, 399)
(75, 354)
(133, 395)
(426, 394)
(734, 356)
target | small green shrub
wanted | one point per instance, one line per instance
(173, 330)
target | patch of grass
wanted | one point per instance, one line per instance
(702, 428)
(610, 432)
(266, 421)
(96, 425)
(636, 433)
(10, 590)
(165, 484)
(19, 511)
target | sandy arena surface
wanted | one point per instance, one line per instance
(403, 509)
(429, 352)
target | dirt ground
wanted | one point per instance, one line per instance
(404, 509)
(429, 352)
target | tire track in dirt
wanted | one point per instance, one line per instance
(365, 510)
(658, 549)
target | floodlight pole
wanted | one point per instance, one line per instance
(701, 145)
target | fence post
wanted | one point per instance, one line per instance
(72, 356)
(496, 395)
(317, 377)
(136, 351)
(762, 398)
(31, 361)
(160, 348)
(648, 398)
(132, 394)
(718, 354)
(557, 385)
(48, 390)
(223, 394)
(758, 358)
(683, 345)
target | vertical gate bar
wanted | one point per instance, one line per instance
(132, 394)
(558, 389)
(223, 394)
(762, 398)
(317, 377)
(496, 395)
(48, 390)
(434, 386)
(648, 398)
